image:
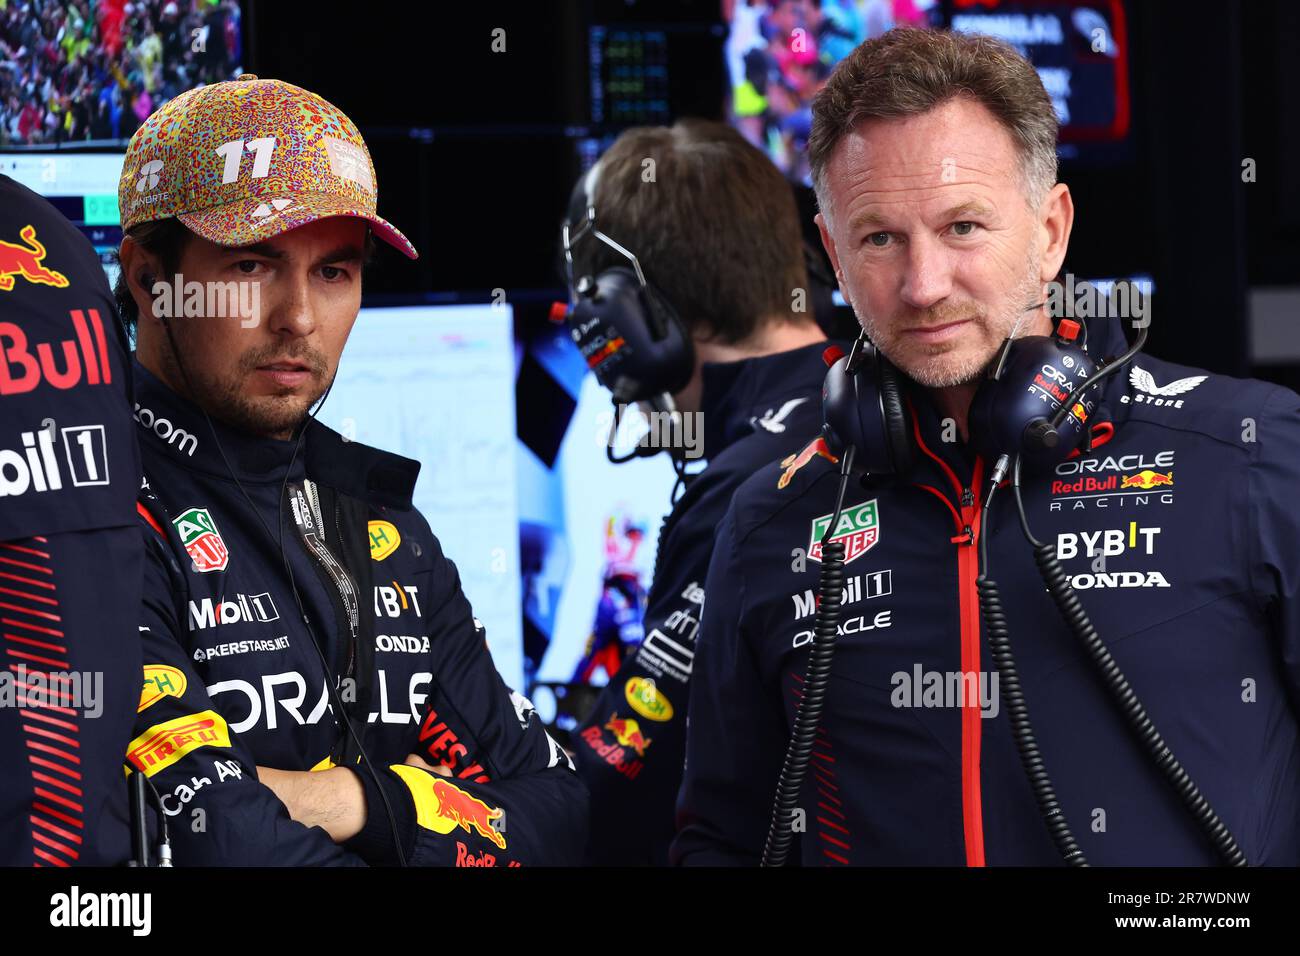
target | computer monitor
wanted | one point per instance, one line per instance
(779, 54)
(436, 384)
(554, 544)
(82, 186)
(92, 73)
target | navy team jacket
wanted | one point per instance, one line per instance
(233, 678)
(1181, 537)
(70, 554)
(630, 748)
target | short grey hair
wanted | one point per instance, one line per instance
(907, 72)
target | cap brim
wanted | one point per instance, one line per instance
(256, 219)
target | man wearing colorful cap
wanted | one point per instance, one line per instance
(317, 689)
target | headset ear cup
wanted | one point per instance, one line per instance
(898, 423)
(661, 317)
(667, 329)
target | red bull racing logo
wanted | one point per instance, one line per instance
(628, 733)
(1148, 479)
(441, 806)
(26, 260)
(84, 356)
(793, 463)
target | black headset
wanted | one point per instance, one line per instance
(626, 329)
(1028, 403)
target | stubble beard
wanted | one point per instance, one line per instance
(942, 366)
(277, 415)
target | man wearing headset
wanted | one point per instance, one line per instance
(306, 639)
(70, 554)
(934, 162)
(715, 233)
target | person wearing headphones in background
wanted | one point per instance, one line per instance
(317, 689)
(70, 554)
(690, 296)
(1167, 735)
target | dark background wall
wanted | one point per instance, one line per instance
(477, 150)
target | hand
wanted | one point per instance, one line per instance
(415, 760)
(333, 799)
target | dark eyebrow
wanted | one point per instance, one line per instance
(344, 253)
(264, 249)
(862, 220)
(347, 253)
(970, 208)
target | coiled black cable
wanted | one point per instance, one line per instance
(830, 590)
(1072, 611)
(1031, 758)
(1067, 602)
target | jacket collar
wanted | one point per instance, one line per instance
(1105, 339)
(174, 427)
(740, 397)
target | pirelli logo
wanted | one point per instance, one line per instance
(163, 744)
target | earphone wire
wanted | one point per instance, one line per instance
(284, 557)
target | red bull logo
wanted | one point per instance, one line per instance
(1088, 484)
(612, 754)
(467, 857)
(467, 812)
(1148, 479)
(22, 368)
(628, 733)
(25, 260)
(793, 463)
(441, 806)
(605, 350)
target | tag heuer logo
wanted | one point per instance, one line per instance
(202, 540)
(859, 529)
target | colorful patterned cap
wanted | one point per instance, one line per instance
(242, 161)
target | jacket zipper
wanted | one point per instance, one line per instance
(968, 599)
(352, 618)
(967, 522)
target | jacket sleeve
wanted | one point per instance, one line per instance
(736, 737)
(512, 797)
(1275, 526)
(216, 811)
(631, 747)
